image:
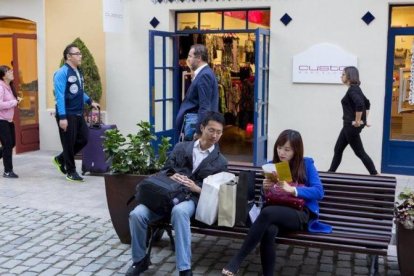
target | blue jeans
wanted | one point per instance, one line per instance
(141, 216)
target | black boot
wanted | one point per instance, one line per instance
(139, 267)
(187, 272)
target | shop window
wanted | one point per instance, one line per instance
(235, 20)
(402, 110)
(9, 26)
(211, 20)
(187, 21)
(227, 20)
(259, 19)
(402, 16)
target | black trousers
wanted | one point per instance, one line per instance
(8, 141)
(350, 135)
(73, 140)
(271, 221)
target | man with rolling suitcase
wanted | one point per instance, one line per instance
(70, 98)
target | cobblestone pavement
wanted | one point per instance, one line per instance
(36, 242)
(49, 226)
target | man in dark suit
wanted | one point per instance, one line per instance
(189, 163)
(202, 95)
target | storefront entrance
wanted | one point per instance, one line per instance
(18, 48)
(238, 49)
(398, 141)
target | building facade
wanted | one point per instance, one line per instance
(142, 67)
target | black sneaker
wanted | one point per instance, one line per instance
(10, 175)
(187, 272)
(74, 176)
(59, 166)
(139, 267)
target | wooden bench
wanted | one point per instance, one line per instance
(359, 207)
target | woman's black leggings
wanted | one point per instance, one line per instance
(8, 141)
(270, 221)
(349, 135)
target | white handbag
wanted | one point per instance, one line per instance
(207, 207)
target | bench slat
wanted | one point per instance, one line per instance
(364, 194)
(341, 206)
(359, 226)
(335, 217)
(362, 201)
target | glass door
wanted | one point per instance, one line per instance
(398, 141)
(163, 84)
(19, 51)
(261, 94)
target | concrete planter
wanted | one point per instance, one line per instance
(405, 246)
(119, 189)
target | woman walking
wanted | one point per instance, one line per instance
(8, 101)
(355, 115)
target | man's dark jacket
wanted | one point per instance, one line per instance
(201, 97)
(181, 161)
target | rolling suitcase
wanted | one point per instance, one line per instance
(93, 156)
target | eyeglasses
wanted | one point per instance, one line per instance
(212, 131)
(75, 54)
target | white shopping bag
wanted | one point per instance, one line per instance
(207, 207)
(227, 204)
(254, 213)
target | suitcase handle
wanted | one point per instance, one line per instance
(97, 124)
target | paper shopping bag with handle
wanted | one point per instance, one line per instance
(207, 207)
(227, 204)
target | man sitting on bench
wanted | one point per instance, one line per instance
(188, 164)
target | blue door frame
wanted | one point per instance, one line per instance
(261, 95)
(397, 155)
(163, 83)
(164, 75)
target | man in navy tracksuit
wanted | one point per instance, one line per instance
(70, 98)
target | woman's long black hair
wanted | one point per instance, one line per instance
(3, 71)
(297, 165)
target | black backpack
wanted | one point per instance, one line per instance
(160, 193)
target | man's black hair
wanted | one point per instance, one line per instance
(67, 50)
(213, 116)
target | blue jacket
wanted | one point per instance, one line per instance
(69, 94)
(312, 192)
(201, 97)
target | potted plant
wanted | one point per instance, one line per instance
(404, 218)
(132, 158)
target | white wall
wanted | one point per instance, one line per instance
(34, 10)
(313, 109)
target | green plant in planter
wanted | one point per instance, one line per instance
(404, 211)
(134, 153)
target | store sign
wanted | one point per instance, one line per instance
(321, 63)
(113, 16)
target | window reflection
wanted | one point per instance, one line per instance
(402, 16)
(187, 21)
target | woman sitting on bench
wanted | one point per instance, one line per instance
(276, 218)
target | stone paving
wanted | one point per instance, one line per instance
(49, 226)
(36, 242)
